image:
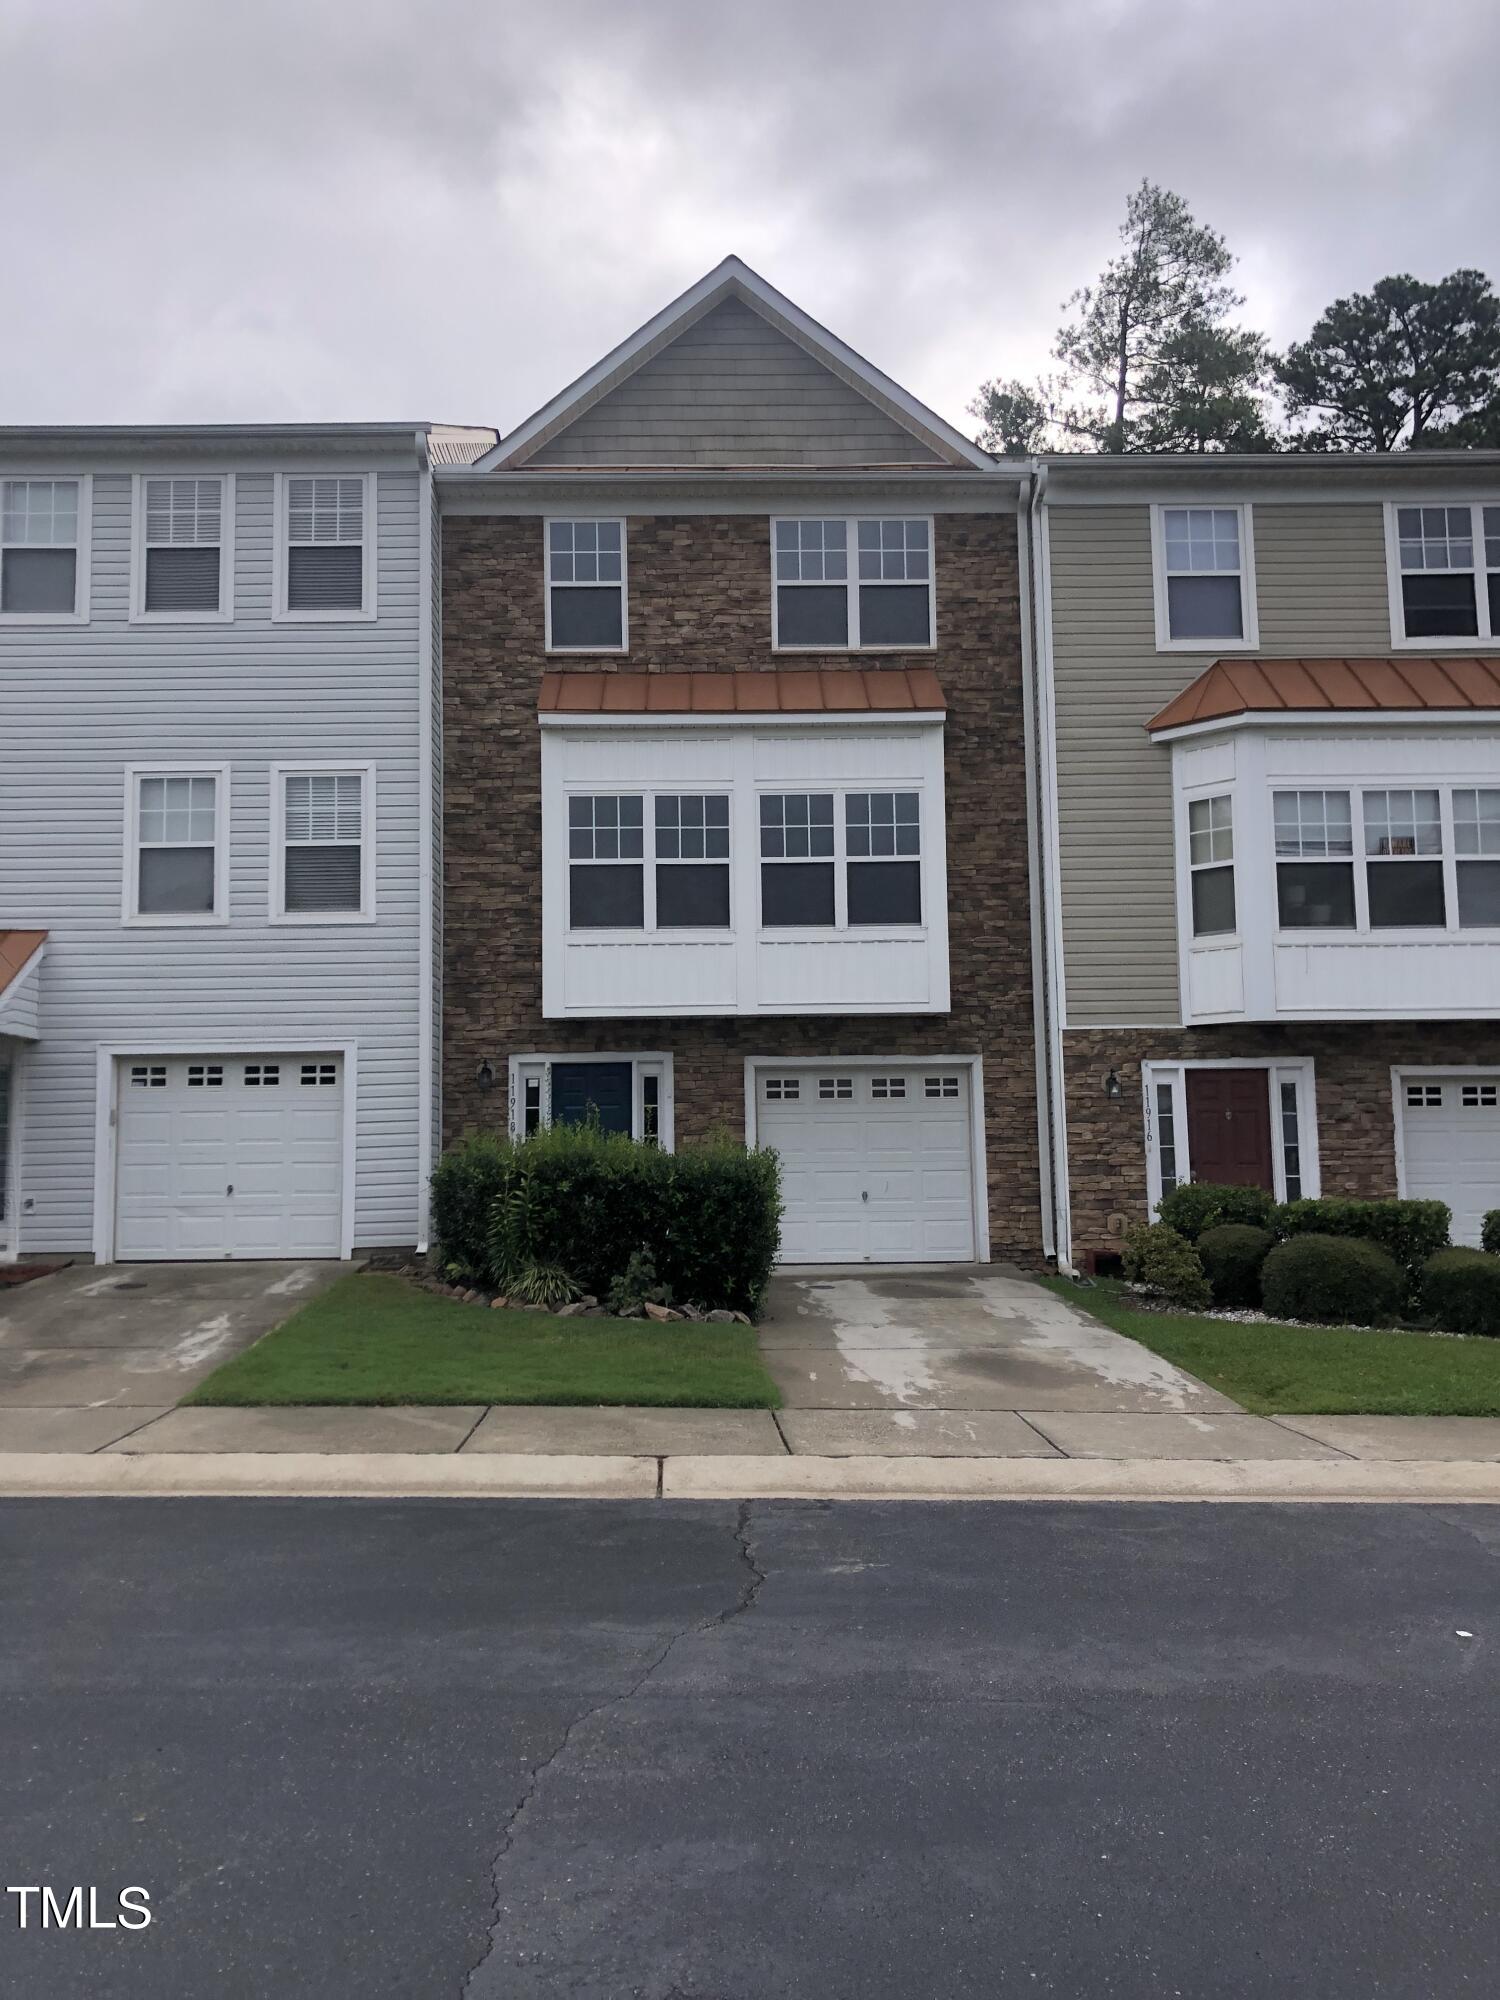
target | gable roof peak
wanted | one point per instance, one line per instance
(732, 277)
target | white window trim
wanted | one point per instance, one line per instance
(110, 1060)
(82, 607)
(1461, 642)
(643, 1062)
(1249, 610)
(852, 581)
(276, 910)
(623, 586)
(137, 919)
(1360, 861)
(1192, 795)
(970, 1065)
(1301, 1070)
(139, 615)
(14, 1066)
(280, 614)
(840, 860)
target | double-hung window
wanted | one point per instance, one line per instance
(1476, 847)
(324, 849)
(43, 548)
(1388, 858)
(1205, 587)
(182, 547)
(687, 884)
(830, 861)
(1211, 864)
(327, 557)
(1446, 573)
(175, 846)
(1314, 860)
(585, 586)
(853, 584)
(692, 860)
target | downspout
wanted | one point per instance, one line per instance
(427, 751)
(1050, 958)
(1039, 1041)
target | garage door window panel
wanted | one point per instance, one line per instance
(175, 848)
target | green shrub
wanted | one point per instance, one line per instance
(546, 1285)
(1161, 1261)
(1232, 1254)
(1409, 1231)
(1461, 1289)
(1489, 1231)
(585, 1201)
(1199, 1205)
(637, 1284)
(1345, 1280)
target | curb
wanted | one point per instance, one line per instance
(499, 1475)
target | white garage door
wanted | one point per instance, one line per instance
(229, 1156)
(1450, 1127)
(876, 1163)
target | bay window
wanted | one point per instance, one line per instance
(1314, 860)
(606, 863)
(692, 861)
(1403, 865)
(796, 868)
(1211, 864)
(1476, 847)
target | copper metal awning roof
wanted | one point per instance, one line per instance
(17, 949)
(1462, 685)
(774, 691)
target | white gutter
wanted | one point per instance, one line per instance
(427, 803)
(1055, 1108)
(1034, 885)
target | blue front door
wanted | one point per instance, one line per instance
(585, 1088)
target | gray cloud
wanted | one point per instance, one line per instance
(359, 208)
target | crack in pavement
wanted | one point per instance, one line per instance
(755, 1581)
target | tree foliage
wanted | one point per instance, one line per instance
(1405, 363)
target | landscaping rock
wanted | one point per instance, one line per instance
(572, 1311)
(722, 1316)
(656, 1312)
(742, 1319)
(588, 1300)
(499, 1303)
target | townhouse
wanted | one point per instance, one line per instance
(1269, 773)
(218, 839)
(735, 818)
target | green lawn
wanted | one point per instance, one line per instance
(377, 1339)
(1278, 1370)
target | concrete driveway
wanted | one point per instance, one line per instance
(96, 1350)
(946, 1357)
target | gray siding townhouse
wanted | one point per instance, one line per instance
(219, 794)
(1269, 790)
(735, 796)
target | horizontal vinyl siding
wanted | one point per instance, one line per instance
(1321, 588)
(732, 389)
(78, 704)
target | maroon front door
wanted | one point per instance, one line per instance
(1229, 1127)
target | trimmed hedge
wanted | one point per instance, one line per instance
(1199, 1205)
(584, 1200)
(1409, 1231)
(1161, 1261)
(1489, 1231)
(1345, 1280)
(1461, 1289)
(1232, 1254)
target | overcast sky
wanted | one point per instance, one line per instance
(344, 209)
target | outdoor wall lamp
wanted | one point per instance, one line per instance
(484, 1076)
(1112, 1088)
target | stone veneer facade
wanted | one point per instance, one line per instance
(700, 598)
(1356, 1126)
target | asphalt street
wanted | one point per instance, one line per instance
(648, 1751)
